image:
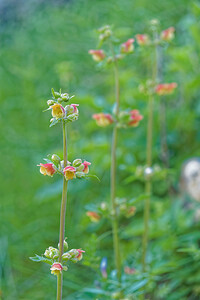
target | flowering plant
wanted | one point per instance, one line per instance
(59, 257)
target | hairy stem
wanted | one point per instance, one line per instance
(115, 227)
(62, 215)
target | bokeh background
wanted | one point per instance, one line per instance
(44, 44)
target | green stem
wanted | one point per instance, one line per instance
(62, 216)
(115, 226)
(148, 185)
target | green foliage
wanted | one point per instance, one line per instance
(47, 45)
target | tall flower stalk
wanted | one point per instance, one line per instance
(119, 119)
(148, 185)
(59, 257)
(115, 225)
(152, 88)
(62, 214)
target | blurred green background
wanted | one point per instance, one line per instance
(44, 44)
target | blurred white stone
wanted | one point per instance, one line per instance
(190, 178)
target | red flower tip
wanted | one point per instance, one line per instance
(80, 255)
(75, 107)
(86, 168)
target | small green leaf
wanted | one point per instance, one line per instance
(53, 93)
(54, 122)
(92, 176)
(38, 258)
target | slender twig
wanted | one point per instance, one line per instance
(115, 227)
(62, 215)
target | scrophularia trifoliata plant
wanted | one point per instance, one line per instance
(118, 119)
(154, 86)
(59, 257)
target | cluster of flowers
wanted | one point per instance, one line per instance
(128, 47)
(126, 119)
(124, 209)
(67, 113)
(99, 55)
(166, 35)
(73, 255)
(78, 169)
(165, 88)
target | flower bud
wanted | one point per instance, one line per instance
(55, 158)
(56, 268)
(102, 119)
(165, 88)
(65, 245)
(86, 168)
(135, 118)
(80, 168)
(76, 254)
(80, 174)
(51, 253)
(94, 217)
(65, 97)
(127, 47)
(71, 109)
(56, 95)
(77, 162)
(50, 102)
(66, 256)
(58, 111)
(47, 169)
(167, 34)
(97, 55)
(69, 172)
(142, 39)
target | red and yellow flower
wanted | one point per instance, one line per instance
(165, 88)
(94, 217)
(80, 254)
(58, 111)
(127, 47)
(135, 118)
(142, 39)
(167, 34)
(97, 55)
(56, 268)
(47, 169)
(86, 167)
(69, 172)
(102, 119)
